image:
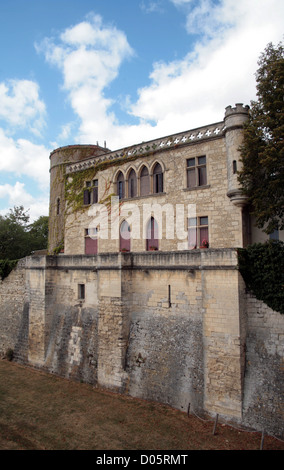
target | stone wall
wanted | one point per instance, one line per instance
(264, 378)
(174, 327)
(14, 313)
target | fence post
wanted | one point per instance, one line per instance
(215, 424)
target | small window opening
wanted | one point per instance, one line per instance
(169, 296)
(234, 167)
(58, 206)
(81, 291)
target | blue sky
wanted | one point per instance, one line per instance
(118, 71)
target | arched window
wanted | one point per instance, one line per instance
(152, 242)
(132, 184)
(120, 185)
(158, 183)
(124, 236)
(144, 182)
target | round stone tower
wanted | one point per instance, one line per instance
(234, 120)
(59, 159)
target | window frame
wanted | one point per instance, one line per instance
(197, 169)
(132, 184)
(81, 292)
(158, 179)
(145, 187)
(120, 185)
(91, 192)
(198, 227)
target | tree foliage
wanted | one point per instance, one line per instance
(19, 238)
(262, 154)
(262, 268)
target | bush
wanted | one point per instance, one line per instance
(262, 268)
(9, 354)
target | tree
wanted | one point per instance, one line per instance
(262, 153)
(18, 238)
(38, 233)
(14, 242)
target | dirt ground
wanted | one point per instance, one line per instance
(40, 411)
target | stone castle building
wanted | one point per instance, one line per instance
(140, 291)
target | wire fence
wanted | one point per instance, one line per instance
(240, 429)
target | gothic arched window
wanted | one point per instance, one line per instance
(144, 182)
(120, 185)
(158, 183)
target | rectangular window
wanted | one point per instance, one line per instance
(95, 191)
(81, 291)
(198, 233)
(196, 172)
(91, 192)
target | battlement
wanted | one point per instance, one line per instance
(238, 109)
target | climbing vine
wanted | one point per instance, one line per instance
(262, 268)
(75, 184)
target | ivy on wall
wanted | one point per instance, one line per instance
(75, 183)
(262, 268)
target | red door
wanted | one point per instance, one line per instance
(91, 246)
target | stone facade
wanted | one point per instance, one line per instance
(174, 325)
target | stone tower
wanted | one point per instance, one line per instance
(59, 158)
(234, 120)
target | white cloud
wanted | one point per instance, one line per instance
(217, 71)
(220, 71)
(21, 110)
(152, 7)
(21, 106)
(18, 196)
(23, 158)
(88, 53)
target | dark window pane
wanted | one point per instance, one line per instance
(191, 162)
(132, 184)
(202, 160)
(158, 183)
(203, 220)
(191, 183)
(95, 195)
(144, 182)
(87, 197)
(157, 169)
(202, 179)
(120, 186)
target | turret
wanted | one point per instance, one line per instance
(234, 120)
(59, 158)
